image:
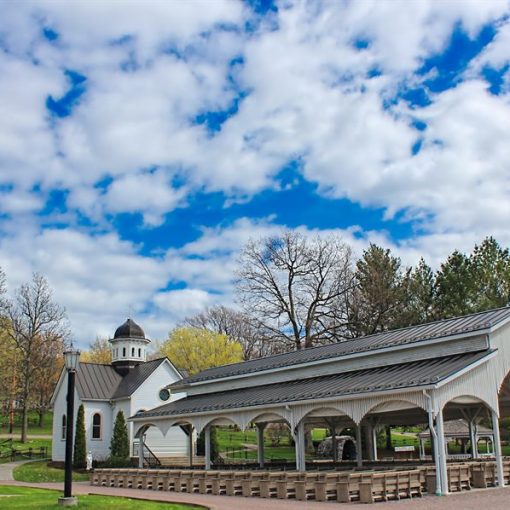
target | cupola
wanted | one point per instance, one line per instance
(129, 346)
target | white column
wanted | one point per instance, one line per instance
(299, 438)
(207, 441)
(374, 442)
(474, 452)
(422, 449)
(359, 447)
(190, 445)
(260, 443)
(140, 452)
(497, 449)
(441, 452)
(368, 436)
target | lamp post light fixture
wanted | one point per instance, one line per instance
(71, 360)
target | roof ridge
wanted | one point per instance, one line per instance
(348, 340)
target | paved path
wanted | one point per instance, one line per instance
(495, 499)
(7, 469)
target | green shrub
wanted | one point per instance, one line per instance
(120, 441)
(80, 445)
(214, 444)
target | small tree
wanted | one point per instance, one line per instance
(120, 441)
(80, 445)
(214, 444)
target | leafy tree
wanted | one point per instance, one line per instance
(454, 287)
(99, 352)
(195, 349)
(120, 440)
(380, 295)
(80, 446)
(238, 326)
(296, 287)
(35, 324)
(420, 305)
(490, 268)
(214, 444)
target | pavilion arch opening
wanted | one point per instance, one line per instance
(468, 427)
(389, 428)
(339, 441)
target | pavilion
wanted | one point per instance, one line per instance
(427, 374)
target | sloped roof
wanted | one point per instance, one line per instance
(136, 377)
(457, 428)
(390, 377)
(95, 381)
(413, 334)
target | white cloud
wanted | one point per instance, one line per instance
(153, 67)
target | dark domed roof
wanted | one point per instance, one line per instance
(130, 329)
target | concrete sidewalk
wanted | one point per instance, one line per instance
(495, 499)
(7, 469)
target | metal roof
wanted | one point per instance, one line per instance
(390, 377)
(413, 334)
(101, 382)
(457, 428)
(96, 382)
(136, 377)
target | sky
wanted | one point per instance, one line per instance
(142, 144)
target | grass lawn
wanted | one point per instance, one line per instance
(33, 424)
(41, 472)
(13, 498)
(35, 444)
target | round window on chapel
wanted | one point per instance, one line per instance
(164, 394)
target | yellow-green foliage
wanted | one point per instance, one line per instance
(195, 349)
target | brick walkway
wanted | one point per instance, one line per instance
(493, 499)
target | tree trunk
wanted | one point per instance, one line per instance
(24, 421)
(41, 417)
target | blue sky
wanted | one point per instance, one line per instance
(142, 146)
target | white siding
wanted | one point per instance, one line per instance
(58, 445)
(147, 397)
(100, 448)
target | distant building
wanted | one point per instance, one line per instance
(130, 384)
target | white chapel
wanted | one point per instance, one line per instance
(130, 384)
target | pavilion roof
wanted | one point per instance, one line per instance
(468, 324)
(458, 429)
(399, 377)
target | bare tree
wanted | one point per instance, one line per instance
(36, 324)
(297, 287)
(238, 326)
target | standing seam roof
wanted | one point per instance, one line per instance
(444, 328)
(389, 377)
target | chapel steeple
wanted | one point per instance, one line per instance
(129, 347)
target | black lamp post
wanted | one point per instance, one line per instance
(71, 359)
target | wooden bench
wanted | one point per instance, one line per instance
(348, 486)
(251, 486)
(393, 485)
(459, 477)
(268, 486)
